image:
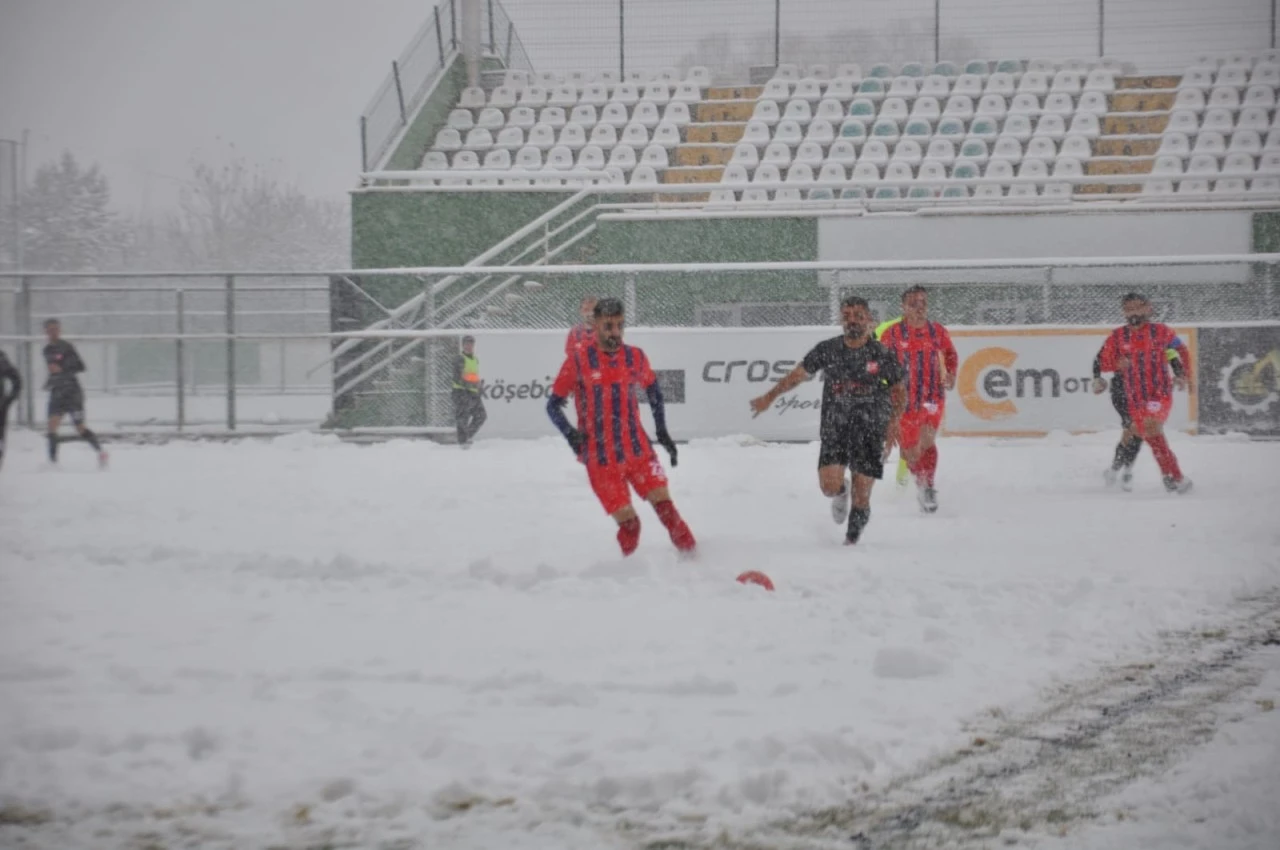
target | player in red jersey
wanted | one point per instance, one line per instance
(602, 376)
(929, 361)
(583, 332)
(1137, 351)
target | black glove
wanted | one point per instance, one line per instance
(577, 440)
(664, 440)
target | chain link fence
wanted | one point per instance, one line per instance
(406, 381)
(733, 36)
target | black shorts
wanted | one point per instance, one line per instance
(858, 445)
(67, 401)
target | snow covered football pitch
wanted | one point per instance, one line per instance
(305, 643)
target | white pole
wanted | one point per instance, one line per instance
(472, 49)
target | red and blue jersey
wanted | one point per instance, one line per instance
(579, 336)
(1138, 354)
(922, 352)
(603, 385)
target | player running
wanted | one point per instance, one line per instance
(930, 361)
(10, 388)
(1137, 352)
(602, 375)
(862, 401)
(66, 398)
(582, 332)
(1130, 443)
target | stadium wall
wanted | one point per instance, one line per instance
(1012, 381)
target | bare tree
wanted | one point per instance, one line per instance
(66, 221)
(236, 215)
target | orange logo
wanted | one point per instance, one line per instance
(967, 382)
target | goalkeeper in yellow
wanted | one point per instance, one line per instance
(902, 461)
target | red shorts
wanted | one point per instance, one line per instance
(1155, 408)
(914, 421)
(610, 483)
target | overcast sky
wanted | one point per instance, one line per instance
(140, 86)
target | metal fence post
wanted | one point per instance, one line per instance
(364, 143)
(453, 24)
(231, 352)
(629, 296)
(395, 74)
(26, 354)
(439, 36)
(1102, 28)
(493, 39)
(777, 33)
(429, 355)
(1046, 298)
(622, 41)
(937, 31)
(179, 347)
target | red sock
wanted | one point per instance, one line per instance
(629, 535)
(929, 464)
(1164, 456)
(913, 466)
(681, 536)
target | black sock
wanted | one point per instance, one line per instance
(53, 447)
(858, 519)
(1122, 451)
(1131, 450)
(92, 439)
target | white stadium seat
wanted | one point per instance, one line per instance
(461, 119)
(592, 158)
(523, 117)
(497, 160)
(553, 117)
(595, 94)
(478, 139)
(788, 132)
(747, 155)
(604, 135)
(821, 132)
(654, 156)
(448, 139)
(635, 135)
(623, 156)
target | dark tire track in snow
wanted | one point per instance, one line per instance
(1021, 779)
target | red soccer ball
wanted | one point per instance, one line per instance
(756, 577)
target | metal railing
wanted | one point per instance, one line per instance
(178, 352)
(423, 61)
(215, 354)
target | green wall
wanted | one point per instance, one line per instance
(673, 299)
(1266, 232)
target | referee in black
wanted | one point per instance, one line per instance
(66, 397)
(10, 388)
(863, 396)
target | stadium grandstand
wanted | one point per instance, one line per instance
(482, 159)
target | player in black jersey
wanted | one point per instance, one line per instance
(862, 400)
(66, 397)
(10, 387)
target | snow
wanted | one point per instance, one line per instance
(1222, 796)
(274, 642)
